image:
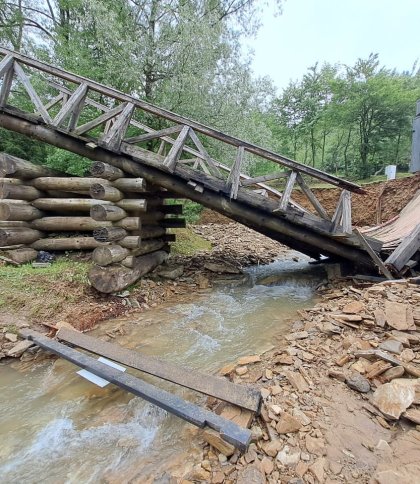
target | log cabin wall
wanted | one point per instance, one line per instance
(122, 219)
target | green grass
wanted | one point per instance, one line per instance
(188, 243)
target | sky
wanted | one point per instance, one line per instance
(335, 31)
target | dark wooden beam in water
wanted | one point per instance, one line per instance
(229, 431)
(241, 395)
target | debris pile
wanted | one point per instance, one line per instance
(341, 395)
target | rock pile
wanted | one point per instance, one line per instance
(341, 395)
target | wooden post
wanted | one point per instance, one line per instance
(175, 152)
(12, 165)
(68, 184)
(135, 185)
(105, 192)
(232, 183)
(56, 224)
(66, 243)
(104, 256)
(109, 234)
(107, 212)
(68, 204)
(99, 169)
(18, 192)
(15, 236)
(415, 149)
(285, 199)
(18, 210)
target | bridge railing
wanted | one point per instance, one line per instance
(106, 117)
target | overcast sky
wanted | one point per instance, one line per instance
(336, 31)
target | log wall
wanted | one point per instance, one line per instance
(122, 219)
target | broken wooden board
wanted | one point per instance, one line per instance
(241, 395)
(407, 248)
(229, 431)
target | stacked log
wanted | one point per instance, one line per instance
(134, 220)
(122, 219)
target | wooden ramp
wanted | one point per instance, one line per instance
(175, 157)
(239, 395)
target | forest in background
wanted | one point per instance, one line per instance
(187, 56)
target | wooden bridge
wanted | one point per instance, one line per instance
(101, 123)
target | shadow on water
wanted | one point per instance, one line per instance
(56, 427)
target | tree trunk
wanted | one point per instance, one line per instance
(18, 210)
(107, 212)
(116, 278)
(129, 223)
(67, 205)
(11, 165)
(149, 245)
(131, 242)
(104, 256)
(18, 192)
(69, 184)
(55, 224)
(104, 192)
(66, 243)
(109, 234)
(15, 236)
(139, 205)
(100, 169)
(135, 185)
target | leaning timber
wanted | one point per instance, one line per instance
(12, 165)
(110, 212)
(18, 192)
(104, 192)
(116, 278)
(15, 236)
(109, 234)
(18, 210)
(229, 431)
(99, 169)
(67, 204)
(66, 243)
(67, 184)
(243, 396)
(104, 256)
(54, 224)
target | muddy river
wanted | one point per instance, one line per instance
(56, 427)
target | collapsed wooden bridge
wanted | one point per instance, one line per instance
(101, 123)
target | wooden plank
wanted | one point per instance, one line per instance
(405, 250)
(251, 148)
(241, 395)
(284, 202)
(6, 85)
(106, 116)
(72, 107)
(6, 64)
(154, 135)
(199, 145)
(312, 198)
(338, 214)
(232, 183)
(263, 178)
(346, 215)
(377, 261)
(24, 79)
(194, 414)
(175, 152)
(112, 139)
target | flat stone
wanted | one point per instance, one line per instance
(12, 337)
(251, 475)
(314, 445)
(412, 414)
(288, 456)
(199, 474)
(284, 360)
(383, 446)
(337, 374)
(275, 389)
(213, 438)
(393, 398)
(335, 467)
(297, 335)
(248, 360)
(288, 424)
(301, 468)
(301, 416)
(392, 373)
(391, 345)
(399, 316)
(358, 382)
(297, 381)
(169, 272)
(20, 348)
(241, 370)
(407, 355)
(267, 465)
(405, 474)
(354, 307)
(218, 477)
(224, 268)
(227, 369)
(317, 469)
(380, 317)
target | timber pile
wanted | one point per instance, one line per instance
(123, 220)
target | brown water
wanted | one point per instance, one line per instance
(55, 427)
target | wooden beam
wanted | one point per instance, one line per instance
(154, 135)
(346, 215)
(32, 93)
(405, 250)
(72, 107)
(229, 431)
(263, 178)
(232, 183)
(84, 128)
(376, 259)
(112, 139)
(7, 84)
(312, 198)
(175, 152)
(6, 64)
(284, 202)
(242, 395)
(199, 145)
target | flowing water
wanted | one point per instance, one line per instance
(56, 427)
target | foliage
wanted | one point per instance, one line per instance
(189, 243)
(192, 211)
